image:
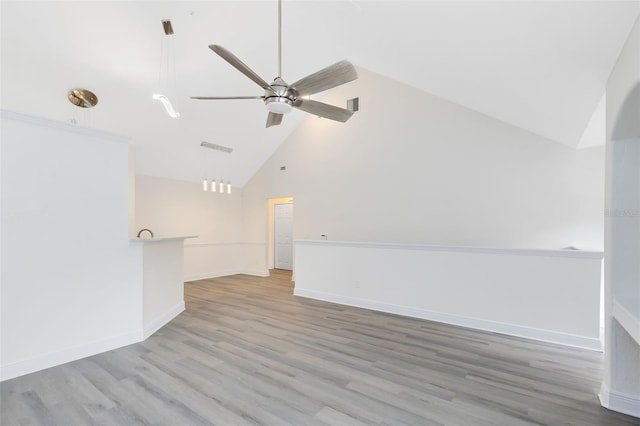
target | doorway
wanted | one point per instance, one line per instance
(283, 236)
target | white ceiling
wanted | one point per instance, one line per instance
(541, 66)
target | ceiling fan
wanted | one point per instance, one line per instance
(280, 97)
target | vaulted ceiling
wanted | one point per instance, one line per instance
(541, 66)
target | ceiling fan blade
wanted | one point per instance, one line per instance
(334, 75)
(240, 66)
(226, 97)
(274, 119)
(323, 110)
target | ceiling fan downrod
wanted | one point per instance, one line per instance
(279, 38)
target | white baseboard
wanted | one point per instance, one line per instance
(159, 322)
(226, 273)
(256, 272)
(618, 402)
(549, 336)
(51, 359)
(213, 274)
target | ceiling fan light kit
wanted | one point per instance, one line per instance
(278, 104)
(280, 97)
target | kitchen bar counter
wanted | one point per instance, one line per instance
(162, 280)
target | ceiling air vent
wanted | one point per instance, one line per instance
(216, 147)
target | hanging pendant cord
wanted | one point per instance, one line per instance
(161, 63)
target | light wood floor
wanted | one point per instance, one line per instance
(248, 352)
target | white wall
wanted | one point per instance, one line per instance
(162, 281)
(413, 168)
(170, 208)
(68, 283)
(623, 97)
(621, 386)
(550, 295)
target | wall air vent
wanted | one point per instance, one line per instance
(353, 105)
(216, 147)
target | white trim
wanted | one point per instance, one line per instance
(210, 244)
(475, 323)
(226, 273)
(580, 254)
(256, 272)
(162, 320)
(61, 125)
(627, 320)
(208, 275)
(619, 402)
(63, 356)
(224, 243)
(159, 239)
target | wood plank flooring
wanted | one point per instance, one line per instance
(248, 352)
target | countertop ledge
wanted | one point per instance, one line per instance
(584, 254)
(160, 239)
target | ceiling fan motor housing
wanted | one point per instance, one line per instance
(280, 100)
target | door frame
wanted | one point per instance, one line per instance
(273, 246)
(271, 202)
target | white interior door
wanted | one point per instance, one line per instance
(283, 236)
